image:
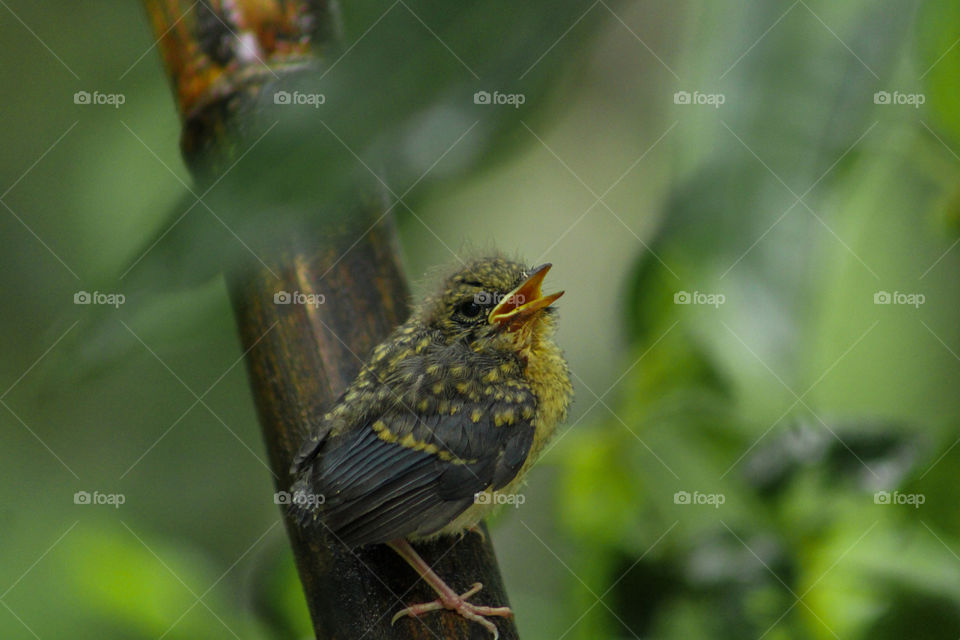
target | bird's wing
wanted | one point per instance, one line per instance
(314, 443)
(406, 472)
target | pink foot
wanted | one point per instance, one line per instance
(459, 605)
(474, 528)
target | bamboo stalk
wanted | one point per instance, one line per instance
(219, 54)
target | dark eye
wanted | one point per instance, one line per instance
(469, 309)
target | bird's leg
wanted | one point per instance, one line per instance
(449, 599)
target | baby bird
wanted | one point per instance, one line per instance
(451, 410)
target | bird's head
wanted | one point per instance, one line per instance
(491, 303)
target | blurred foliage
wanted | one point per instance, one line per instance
(799, 548)
(796, 399)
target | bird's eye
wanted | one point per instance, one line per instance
(469, 309)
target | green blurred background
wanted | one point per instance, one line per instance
(775, 459)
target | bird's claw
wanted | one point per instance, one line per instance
(474, 528)
(459, 605)
(477, 529)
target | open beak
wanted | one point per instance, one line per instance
(525, 300)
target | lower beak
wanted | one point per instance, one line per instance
(525, 300)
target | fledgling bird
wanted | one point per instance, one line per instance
(451, 410)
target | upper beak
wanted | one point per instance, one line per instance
(523, 301)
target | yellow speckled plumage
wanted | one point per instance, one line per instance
(454, 407)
